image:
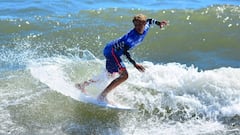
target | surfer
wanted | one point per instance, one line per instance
(116, 48)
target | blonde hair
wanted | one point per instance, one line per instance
(139, 17)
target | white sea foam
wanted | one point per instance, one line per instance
(182, 97)
(211, 92)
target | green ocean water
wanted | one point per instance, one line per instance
(191, 83)
(191, 37)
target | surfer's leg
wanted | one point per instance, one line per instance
(82, 86)
(113, 64)
(122, 77)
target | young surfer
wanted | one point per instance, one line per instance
(116, 48)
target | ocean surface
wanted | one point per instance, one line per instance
(191, 85)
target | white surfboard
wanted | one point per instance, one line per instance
(53, 76)
(94, 101)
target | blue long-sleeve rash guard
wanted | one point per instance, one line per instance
(128, 41)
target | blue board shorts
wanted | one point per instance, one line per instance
(114, 62)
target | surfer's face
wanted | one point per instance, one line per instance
(139, 26)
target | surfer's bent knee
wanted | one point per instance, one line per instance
(124, 74)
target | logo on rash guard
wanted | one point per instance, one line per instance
(134, 41)
(118, 46)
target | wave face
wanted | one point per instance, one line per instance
(191, 84)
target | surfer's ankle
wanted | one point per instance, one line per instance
(84, 91)
(81, 87)
(102, 98)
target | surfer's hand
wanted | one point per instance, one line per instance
(163, 23)
(139, 67)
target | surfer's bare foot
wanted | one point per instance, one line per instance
(81, 87)
(101, 98)
(104, 99)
